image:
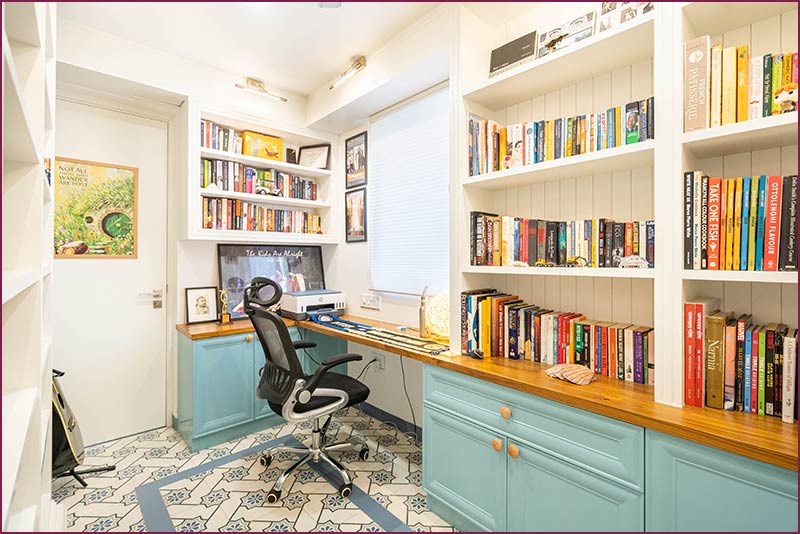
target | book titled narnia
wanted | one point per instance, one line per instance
(715, 359)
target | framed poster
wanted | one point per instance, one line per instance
(95, 212)
(201, 304)
(355, 171)
(355, 203)
(294, 268)
(315, 156)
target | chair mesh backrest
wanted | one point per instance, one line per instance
(282, 367)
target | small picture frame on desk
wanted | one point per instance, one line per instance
(355, 206)
(315, 156)
(201, 304)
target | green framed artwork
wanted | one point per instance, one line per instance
(95, 214)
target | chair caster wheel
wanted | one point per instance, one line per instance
(273, 496)
(345, 490)
(265, 460)
(363, 454)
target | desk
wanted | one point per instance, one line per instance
(762, 438)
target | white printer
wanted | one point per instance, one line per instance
(298, 305)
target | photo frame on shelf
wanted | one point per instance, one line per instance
(569, 33)
(315, 156)
(201, 304)
(355, 160)
(355, 203)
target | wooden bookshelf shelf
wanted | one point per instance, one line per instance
(261, 163)
(283, 238)
(605, 52)
(562, 271)
(608, 160)
(291, 203)
(757, 134)
(21, 146)
(716, 18)
(779, 277)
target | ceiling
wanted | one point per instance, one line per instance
(297, 46)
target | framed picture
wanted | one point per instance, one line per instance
(355, 203)
(201, 304)
(568, 33)
(95, 210)
(355, 161)
(315, 156)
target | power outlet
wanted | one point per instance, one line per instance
(372, 302)
(381, 360)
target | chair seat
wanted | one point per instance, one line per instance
(356, 391)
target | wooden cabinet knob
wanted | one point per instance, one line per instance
(248, 338)
(497, 445)
(505, 412)
(513, 451)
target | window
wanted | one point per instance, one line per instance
(409, 200)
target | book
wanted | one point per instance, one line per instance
(703, 307)
(697, 199)
(769, 370)
(754, 370)
(714, 207)
(777, 79)
(632, 123)
(688, 220)
(729, 366)
(744, 224)
(629, 354)
(689, 353)
(766, 93)
(723, 223)
(752, 224)
(618, 243)
(512, 54)
(742, 324)
(780, 332)
(696, 64)
(715, 359)
(729, 224)
(788, 231)
(748, 368)
(742, 67)
(772, 214)
(762, 369)
(737, 223)
(756, 88)
(704, 222)
(789, 376)
(715, 109)
(728, 85)
(762, 196)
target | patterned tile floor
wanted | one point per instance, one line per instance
(232, 496)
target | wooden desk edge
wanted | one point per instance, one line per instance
(761, 438)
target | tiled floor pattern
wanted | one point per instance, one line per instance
(232, 496)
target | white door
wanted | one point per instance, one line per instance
(108, 337)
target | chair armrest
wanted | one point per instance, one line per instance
(326, 365)
(304, 344)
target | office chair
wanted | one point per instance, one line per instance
(294, 395)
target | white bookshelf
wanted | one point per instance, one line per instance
(293, 137)
(28, 128)
(642, 181)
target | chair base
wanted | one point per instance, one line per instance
(316, 452)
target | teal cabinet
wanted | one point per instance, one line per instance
(691, 487)
(548, 494)
(467, 477)
(217, 379)
(223, 371)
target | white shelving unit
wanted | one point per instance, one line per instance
(28, 131)
(643, 181)
(292, 138)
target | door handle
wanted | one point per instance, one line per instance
(157, 295)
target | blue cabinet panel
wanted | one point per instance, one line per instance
(463, 475)
(223, 381)
(547, 494)
(691, 487)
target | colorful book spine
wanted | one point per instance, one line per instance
(772, 222)
(756, 88)
(742, 64)
(762, 370)
(737, 223)
(714, 207)
(689, 354)
(715, 360)
(766, 94)
(748, 369)
(688, 217)
(789, 376)
(788, 241)
(697, 63)
(728, 85)
(729, 224)
(716, 86)
(777, 79)
(745, 224)
(755, 372)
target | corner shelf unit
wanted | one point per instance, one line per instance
(28, 132)
(292, 138)
(642, 181)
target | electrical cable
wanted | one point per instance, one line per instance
(364, 370)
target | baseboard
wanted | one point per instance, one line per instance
(380, 415)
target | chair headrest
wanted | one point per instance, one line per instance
(263, 292)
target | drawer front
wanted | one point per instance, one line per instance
(464, 472)
(691, 487)
(597, 443)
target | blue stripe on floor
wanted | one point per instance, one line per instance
(157, 519)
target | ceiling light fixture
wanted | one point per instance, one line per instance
(357, 65)
(254, 85)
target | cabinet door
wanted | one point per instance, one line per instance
(546, 494)
(691, 487)
(464, 476)
(223, 383)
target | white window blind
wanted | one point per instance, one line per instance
(409, 203)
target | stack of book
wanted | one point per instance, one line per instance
(234, 214)
(517, 241)
(493, 147)
(500, 325)
(726, 85)
(741, 224)
(732, 364)
(219, 138)
(235, 177)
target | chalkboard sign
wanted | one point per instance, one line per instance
(294, 268)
